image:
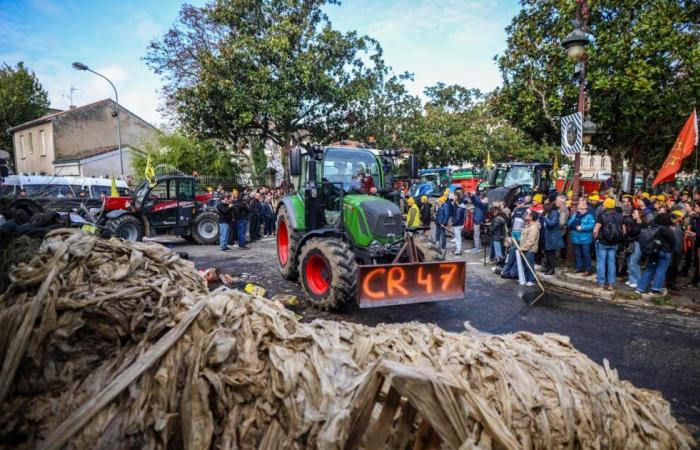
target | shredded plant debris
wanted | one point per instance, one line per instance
(111, 344)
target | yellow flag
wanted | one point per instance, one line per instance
(115, 192)
(489, 163)
(555, 166)
(150, 172)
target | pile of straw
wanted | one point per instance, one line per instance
(108, 344)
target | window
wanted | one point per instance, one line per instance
(591, 163)
(21, 146)
(343, 165)
(42, 143)
(31, 144)
(185, 190)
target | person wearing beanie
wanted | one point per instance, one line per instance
(654, 275)
(426, 211)
(441, 221)
(480, 208)
(529, 241)
(608, 234)
(537, 205)
(413, 216)
(677, 253)
(459, 215)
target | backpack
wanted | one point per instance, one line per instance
(650, 241)
(610, 231)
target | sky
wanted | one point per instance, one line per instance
(453, 41)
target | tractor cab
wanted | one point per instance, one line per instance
(433, 183)
(170, 202)
(511, 180)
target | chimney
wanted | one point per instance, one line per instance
(71, 107)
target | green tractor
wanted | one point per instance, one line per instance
(340, 221)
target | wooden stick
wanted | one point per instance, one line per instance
(89, 409)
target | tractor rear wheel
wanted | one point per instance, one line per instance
(126, 227)
(328, 273)
(427, 249)
(287, 242)
(205, 229)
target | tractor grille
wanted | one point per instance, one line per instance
(384, 218)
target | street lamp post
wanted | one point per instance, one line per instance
(81, 66)
(575, 44)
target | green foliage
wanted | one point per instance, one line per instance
(459, 126)
(269, 68)
(259, 159)
(643, 72)
(22, 98)
(187, 155)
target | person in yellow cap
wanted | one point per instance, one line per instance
(677, 217)
(442, 219)
(645, 195)
(426, 211)
(537, 205)
(413, 216)
(608, 234)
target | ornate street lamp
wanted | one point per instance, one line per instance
(575, 43)
(589, 130)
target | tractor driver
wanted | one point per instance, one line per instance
(362, 183)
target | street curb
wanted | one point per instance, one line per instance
(577, 287)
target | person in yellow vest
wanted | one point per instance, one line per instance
(413, 216)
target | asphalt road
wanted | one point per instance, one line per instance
(653, 348)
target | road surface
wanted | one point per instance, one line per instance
(653, 348)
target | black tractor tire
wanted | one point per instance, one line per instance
(428, 250)
(286, 238)
(328, 273)
(126, 227)
(205, 228)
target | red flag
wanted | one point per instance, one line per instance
(684, 146)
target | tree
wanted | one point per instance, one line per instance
(459, 125)
(188, 156)
(22, 98)
(643, 72)
(272, 69)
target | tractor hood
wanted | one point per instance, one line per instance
(383, 217)
(503, 194)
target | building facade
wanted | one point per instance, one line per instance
(80, 141)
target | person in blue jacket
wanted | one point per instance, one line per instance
(442, 219)
(480, 208)
(581, 225)
(553, 240)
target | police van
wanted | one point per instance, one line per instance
(35, 186)
(94, 186)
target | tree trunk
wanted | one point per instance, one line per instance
(616, 159)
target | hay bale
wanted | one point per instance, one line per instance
(130, 326)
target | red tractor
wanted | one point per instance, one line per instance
(170, 207)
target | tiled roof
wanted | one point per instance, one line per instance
(49, 117)
(77, 156)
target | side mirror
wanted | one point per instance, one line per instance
(412, 167)
(493, 174)
(295, 162)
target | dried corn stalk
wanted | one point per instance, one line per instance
(91, 322)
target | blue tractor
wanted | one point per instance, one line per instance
(433, 183)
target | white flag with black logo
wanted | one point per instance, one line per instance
(571, 134)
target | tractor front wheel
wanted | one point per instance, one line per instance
(287, 242)
(126, 227)
(328, 273)
(205, 229)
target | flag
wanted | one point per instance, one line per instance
(115, 192)
(150, 172)
(555, 166)
(683, 147)
(489, 163)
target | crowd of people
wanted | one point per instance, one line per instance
(650, 240)
(246, 216)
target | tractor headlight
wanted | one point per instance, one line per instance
(376, 248)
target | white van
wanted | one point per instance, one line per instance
(35, 186)
(96, 186)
